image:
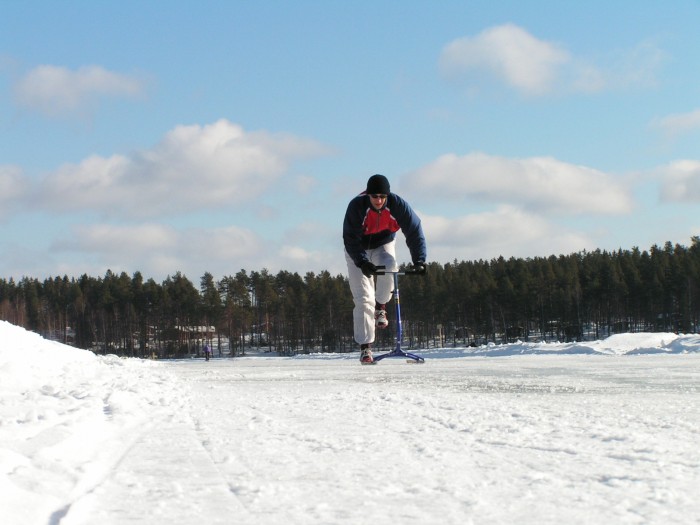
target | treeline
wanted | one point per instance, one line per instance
(587, 295)
(133, 317)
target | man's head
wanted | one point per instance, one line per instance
(378, 185)
(378, 188)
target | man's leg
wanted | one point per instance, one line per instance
(385, 256)
(362, 289)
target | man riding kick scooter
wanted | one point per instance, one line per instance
(369, 234)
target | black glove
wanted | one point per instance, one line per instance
(419, 267)
(368, 268)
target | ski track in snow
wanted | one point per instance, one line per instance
(320, 439)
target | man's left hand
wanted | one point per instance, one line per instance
(419, 267)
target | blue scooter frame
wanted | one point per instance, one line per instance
(397, 351)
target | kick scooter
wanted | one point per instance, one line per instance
(397, 351)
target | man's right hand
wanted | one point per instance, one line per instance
(368, 268)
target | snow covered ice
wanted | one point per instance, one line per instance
(601, 432)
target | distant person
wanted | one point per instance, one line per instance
(369, 231)
(207, 352)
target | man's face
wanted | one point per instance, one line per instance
(377, 200)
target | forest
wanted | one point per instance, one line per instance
(580, 296)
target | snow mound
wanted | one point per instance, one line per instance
(66, 415)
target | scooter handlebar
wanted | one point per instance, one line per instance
(381, 270)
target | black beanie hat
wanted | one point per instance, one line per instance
(378, 184)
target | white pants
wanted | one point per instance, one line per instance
(365, 293)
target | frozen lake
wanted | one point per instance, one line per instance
(549, 438)
(532, 439)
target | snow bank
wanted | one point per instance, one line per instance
(65, 417)
(619, 344)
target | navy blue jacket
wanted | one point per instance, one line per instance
(366, 228)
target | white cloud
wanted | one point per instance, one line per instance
(539, 183)
(13, 187)
(57, 91)
(12, 183)
(506, 230)
(192, 168)
(511, 54)
(617, 70)
(160, 250)
(114, 240)
(635, 67)
(679, 123)
(306, 184)
(681, 181)
(537, 67)
(294, 256)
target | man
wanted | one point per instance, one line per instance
(369, 232)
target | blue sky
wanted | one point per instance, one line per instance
(217, 136)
